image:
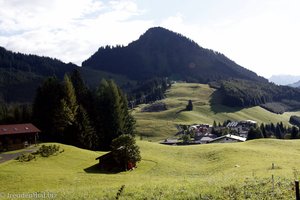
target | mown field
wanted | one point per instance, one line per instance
(212, 171)
(156, 126)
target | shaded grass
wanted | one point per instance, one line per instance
(160, 125)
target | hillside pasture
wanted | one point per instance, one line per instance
(156, 126)
(212, 171)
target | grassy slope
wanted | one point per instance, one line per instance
(165, 172)
(162, 124)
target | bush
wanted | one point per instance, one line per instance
(46, 151)
(295, 120)
(26, 157)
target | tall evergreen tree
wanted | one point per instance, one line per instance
(189, 107)
(254, 133)
(263, 130)
(48, 98)
(113, 118)
(86, 135)
(278, 132)
(294, 132)
(66, 112)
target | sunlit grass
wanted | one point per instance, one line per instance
(168, 172)
(159, 125)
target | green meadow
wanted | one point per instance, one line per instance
(212, 171)
(257, 169)
(156, 126)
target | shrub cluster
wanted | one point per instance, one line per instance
(26, 157)
(46, 151)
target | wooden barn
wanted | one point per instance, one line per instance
(108, 163)
(17, 136)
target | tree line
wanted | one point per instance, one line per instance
(69, 112)
(149, 91)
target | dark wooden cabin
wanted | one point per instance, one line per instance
(17, 136)
(108, 163)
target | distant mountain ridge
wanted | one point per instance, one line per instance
(163, 53)
(284, 79)
(296, 84)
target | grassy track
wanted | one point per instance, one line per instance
(166, 172)
(159, 125)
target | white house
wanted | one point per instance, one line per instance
(228, 139)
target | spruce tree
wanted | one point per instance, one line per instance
(113, 117)
(66, 112)
(294, 132)
(47, 100)
(86, 136)
(189, 107)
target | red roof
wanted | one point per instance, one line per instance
(12, 129)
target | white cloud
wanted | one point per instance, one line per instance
(70, 30)
(260, 35)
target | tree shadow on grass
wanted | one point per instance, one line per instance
(217, 106)
(96, 169)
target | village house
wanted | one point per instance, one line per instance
(17, 136)
(229, 138)
(241, 128)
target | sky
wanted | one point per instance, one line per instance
(261, 35)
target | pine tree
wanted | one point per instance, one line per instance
(86, 136)
(294, 132)
(189, 107)
(113, 117)
(278, 132)
(47, 100)
(263, 130)
(254, 133)
(66, 112)
(215, 124)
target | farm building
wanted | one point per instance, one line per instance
(228, 139)
(17, 136)
(108, 163)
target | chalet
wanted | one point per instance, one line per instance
(17, 136)
(229, 138)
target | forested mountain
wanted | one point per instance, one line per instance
(245, 93)
(21, 74)
(163, 53)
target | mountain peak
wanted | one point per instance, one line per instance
(160, 52)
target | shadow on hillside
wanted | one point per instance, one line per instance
(217, 106)
(95, 169)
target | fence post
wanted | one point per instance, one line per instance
(297, 189)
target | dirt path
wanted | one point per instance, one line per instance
(9, 156)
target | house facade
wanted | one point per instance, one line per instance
(17, 136)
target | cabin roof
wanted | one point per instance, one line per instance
(12, 129)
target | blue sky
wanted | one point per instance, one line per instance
(261, 35)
